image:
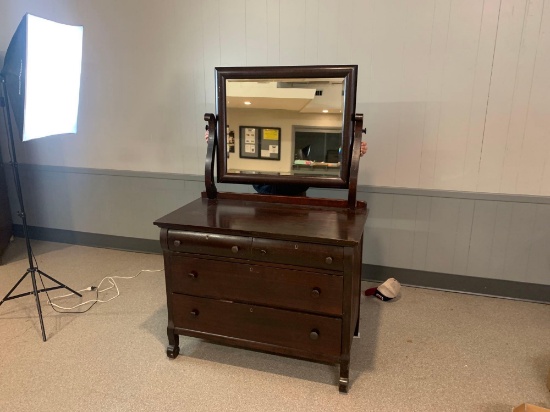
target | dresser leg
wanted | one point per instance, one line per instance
(344, 377)
(173, 349)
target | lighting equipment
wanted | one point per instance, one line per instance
(40, 85)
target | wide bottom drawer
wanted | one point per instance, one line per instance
(310, 333)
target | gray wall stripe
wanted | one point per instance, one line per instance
(417, 278)
(361, 189)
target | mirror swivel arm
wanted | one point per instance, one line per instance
(356, 154)
(211, 190)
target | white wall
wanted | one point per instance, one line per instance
(456, 95)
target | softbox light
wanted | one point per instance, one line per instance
(42, 74)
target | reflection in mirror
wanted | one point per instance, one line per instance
(285, 126)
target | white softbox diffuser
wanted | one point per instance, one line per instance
(42, 70)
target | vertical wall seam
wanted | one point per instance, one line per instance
(245, 35)
(473, 93)
(429, 233)
(470, 240)
(400, 122)
(525, 13)
(488, 95)
(545, 164)
(441, 92)
(426, 100)
(531, 241)
(529, 99)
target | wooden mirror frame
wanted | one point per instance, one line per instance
(348, 73)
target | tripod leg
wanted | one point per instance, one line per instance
(33, 277)
(59, 283)
(12, 289)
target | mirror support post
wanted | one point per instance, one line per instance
(355, 155)
(211, 190)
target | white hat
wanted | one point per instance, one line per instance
(386, 291)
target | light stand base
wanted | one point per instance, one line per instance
(32, 271)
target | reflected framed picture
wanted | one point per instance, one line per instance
(260, 142)
(248, 141)
(270, 142)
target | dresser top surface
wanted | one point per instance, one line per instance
(270, 220)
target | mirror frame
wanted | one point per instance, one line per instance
(347, 72)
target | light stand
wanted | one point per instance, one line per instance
(32, 270)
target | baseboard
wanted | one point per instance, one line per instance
(459, 283)
(418, 278)
(90, 239)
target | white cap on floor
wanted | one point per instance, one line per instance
(386, 291)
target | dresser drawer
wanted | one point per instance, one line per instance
(298, 253)
(285, 288)
(209, 244)
(310, 333)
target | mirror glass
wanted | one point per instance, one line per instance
(285, 124)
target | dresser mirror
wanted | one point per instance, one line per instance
(285, 125)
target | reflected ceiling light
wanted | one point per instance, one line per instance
(247, 103)
(325, 111)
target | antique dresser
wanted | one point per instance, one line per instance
(274, 273)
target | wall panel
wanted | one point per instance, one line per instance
(456, 98)
(455, 94)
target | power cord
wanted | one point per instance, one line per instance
(97, 289)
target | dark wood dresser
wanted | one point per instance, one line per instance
(281, 278)
(275, 272)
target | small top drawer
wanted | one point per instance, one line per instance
(209, 244)
(298, 253)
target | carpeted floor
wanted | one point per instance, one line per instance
(426, 351)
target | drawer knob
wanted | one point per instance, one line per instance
(194, 313)
(234, 249)
(328, 260)
(314, 334)
(177, 243)
(193, 275)
(315, 292)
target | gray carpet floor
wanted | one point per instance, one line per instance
(426, 351)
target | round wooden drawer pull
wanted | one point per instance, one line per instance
(177, 243)
(193, 275)
(315, 292)
(234, 249)
(328, 260)
(194, 313)
(314, 334)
